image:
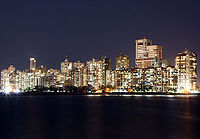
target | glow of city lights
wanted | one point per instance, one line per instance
(17, 91)
(124, 80)
(187, 88)
(194, 91)
(8, 90)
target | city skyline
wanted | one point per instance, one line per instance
(113, 65)
(51, 30)
(151, 73)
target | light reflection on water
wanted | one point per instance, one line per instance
(99, 117)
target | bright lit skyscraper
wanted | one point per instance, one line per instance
(78, 77)
(32, 64)
(66, 66)
(186, 64)
(95, 73)
(10, 80)
(66, 70)
(146, 53)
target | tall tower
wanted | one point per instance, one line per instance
(66, 70)
(186, 65)
(147, 53)
(32, 64)
(78, 68)
(107, 65)
(141, 48)
(95, 73)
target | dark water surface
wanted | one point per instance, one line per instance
(99, 117)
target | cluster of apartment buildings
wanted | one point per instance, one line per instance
(150, 73)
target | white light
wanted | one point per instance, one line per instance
(194, 91)
(7, 90)
(17, 91)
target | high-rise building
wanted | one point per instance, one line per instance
(107, 63)
(85, 76)
(40, 75)
(95, 73)
(110, 79)
(123, 79)
(66, 66)
(5, 82)
(28, 80)
(186, 65)
(10, 80)
(122, 62)
(66, 70)
(172, 77)
(32, 64)
(78, 69)
(146, 53)
(141, 48)
(107, 66)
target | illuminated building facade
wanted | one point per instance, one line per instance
(85, 75)
(32, 64)
(186, 65)
(95, 73)
(137, 79)
(146, 53)
(78, 71)
(160, 80)
(123, 79)
(122, 62)
(5, 82)
(28, 80)
(110, 78)
(154, 79)
(66, 69)
(10, 80)
(172, 79)
(66, 66)
(40, 75)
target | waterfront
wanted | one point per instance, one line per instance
(99, 116)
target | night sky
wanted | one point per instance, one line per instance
(82, 29)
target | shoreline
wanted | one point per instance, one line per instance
(99, 94)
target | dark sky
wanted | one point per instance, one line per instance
(82, 29)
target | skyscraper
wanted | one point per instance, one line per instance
(186, 65)
(66, 70)
(107, 63)
(95, 73)
(147, 53)
(107, 66)
(78, 68)
(5, 81)
(122, 62)
(66, 66)
(32, 64)
(10, 80)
